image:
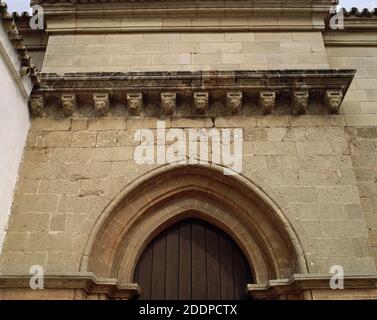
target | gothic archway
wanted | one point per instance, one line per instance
(176, 192)
(193, 260)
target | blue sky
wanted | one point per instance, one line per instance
(23, 5)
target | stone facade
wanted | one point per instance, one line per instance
(306, 198)
(185, 52)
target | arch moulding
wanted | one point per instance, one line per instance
(175, 192)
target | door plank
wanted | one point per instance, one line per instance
(199, 269)
(159, 268)
(213, 267)
(241, 274)
(226, 269)
(145, 273)
(193, 260)
(185, 261)
(172, 264)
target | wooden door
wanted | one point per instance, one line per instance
(193, 260)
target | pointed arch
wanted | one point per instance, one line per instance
(175, 192)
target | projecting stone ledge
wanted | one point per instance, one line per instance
(194, 94)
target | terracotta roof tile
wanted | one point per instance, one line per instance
(360, 12)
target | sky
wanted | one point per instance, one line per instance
(23, 5)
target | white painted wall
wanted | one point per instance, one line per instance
(14, 124)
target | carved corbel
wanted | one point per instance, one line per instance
(8, 24)
(267, 101)
(135, 103)
(201, 100)
(101, 103)
(35, 76)
(13, 33)
(17, 42)
(234, 101)
(69, 103)
(26, 60)
(22, 52)
(25, 71)
(300, 102)
(333, 100)
(168, 103)
(36, 103)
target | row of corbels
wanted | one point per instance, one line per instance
(168, 103)
(27, 69)
(101, 103)
(300, 101)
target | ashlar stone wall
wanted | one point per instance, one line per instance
(360, 112)
(73, 168)
(185, 51)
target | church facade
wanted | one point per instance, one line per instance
(189, 150)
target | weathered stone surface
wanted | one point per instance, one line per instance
(318, 169)
(101, 103)
(135, 103)
(234, 102)
(201, 101)
(83, 166)
(267, 101)
(300, 102)
(37, 105)
(225, 87)
(69, 104)
(168, 103)
(333, 100)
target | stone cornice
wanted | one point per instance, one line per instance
(275, 3)
(161, 15)
(299, 283)
(279, 91)
(188, 9)
(87, 282)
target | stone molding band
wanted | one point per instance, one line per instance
(315, 10)
(166, 90)
(88, 282)
(254, 3)
(298, 285)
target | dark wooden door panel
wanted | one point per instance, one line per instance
(193, 260)
(159, 267)
(184, 260)
(213, 266)
(172, 264)
(226, 269)
(144, 272)
(198, 259)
